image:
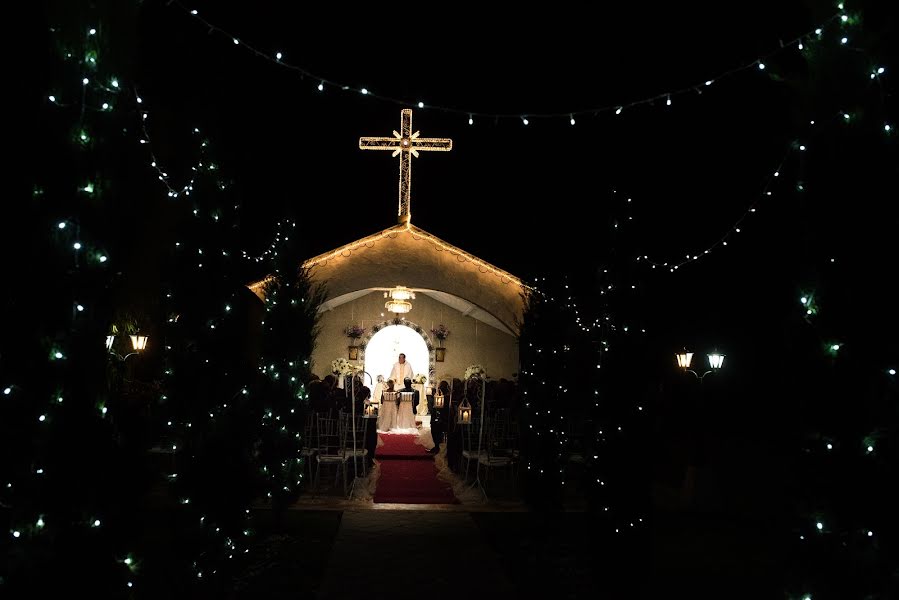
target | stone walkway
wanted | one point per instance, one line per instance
(412, 554)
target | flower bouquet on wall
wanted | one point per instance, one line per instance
(474, 371)
(354, 332)
(441, 333)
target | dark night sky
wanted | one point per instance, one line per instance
(289, 146)
(538, 200)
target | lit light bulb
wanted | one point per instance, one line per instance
(193, 12)
(800, 45)
(887, 128)
(96, 522)
(470, 120)
(62, 225)
(892, 371)
(364, 91)
(7, 391)
(844, 40)
(819, 525)
(618, 110)
(77, 245)
(115, 83)
(843, 18)
(278, 56)
(103, 258)
(80, 308)
(85, 81)
(236, 41)
(880, 70)
(421, 105)
(572, 120)
(92, 31)
(709, 82)
(830, 446)
(42, 418)
(668, 101)
(761, 66)
(52, 98)
(321, 87)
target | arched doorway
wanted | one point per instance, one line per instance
(383, 348)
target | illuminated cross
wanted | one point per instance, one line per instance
(406, 145)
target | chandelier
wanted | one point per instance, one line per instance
(399, 299)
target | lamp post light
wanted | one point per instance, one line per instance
(138, 344)
(685, 359)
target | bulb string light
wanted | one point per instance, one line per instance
(734, 229)
(161, 174)
(323, 84)
(797, 147)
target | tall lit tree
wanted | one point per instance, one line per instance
(70, 471)
(290, 328)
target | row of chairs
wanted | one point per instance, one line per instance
(497, 448)
(330, 443)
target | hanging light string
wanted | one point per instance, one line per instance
(734, 229)
(799, 146)
(323, 83)
(161, 174)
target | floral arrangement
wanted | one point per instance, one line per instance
(354, 331)
(341, 366)
(474, 371)
(440, 332)
(420, 378)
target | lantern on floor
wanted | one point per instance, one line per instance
(438, 400)
(464, 415)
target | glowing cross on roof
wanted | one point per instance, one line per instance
(406, 145)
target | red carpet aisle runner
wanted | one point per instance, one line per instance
(408, 474)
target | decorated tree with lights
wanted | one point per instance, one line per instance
(71, 469)
(207, 445)
(842, 539)
(577, 418)
(290, 328)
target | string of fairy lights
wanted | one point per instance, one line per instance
(842, 18)
(799, 146)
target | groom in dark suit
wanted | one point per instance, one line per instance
(408, 383)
